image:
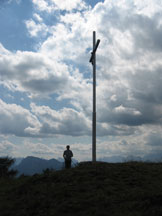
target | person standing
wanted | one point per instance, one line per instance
(68, 154)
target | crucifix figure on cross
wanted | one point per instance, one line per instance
(93, 61)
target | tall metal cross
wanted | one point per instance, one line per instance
(93, 61)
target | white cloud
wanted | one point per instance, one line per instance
(37, 17)
(129, 98)
(70, 5)
(18, 121)
(125, 110)
(42, 5)
(3, 51)
(39, 148)
(36, 29)
(33, 73)
(66, 121)
(52, 5)
(15, 120)
(7, 148)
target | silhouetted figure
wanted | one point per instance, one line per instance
(68, 154)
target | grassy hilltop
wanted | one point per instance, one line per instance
(122, 189)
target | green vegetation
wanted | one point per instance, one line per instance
(122, 189)
(5, 164)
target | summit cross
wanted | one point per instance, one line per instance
(93, 61)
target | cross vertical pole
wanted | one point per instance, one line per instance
(94, 102)
(93, 61)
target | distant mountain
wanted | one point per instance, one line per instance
(18, 160)
(32, 165)
(16, 163)
(121, 159)
(112, 159)
(74, 161)
(133, 158)
(153, 157)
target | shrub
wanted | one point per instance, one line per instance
(5, 164)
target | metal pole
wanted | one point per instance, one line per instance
(93, 61)
(94, 102)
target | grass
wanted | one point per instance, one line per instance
(98, 189)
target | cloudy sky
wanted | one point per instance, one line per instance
(46, 77)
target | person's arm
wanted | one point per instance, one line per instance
(64, 155)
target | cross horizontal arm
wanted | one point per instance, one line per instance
(92, 54)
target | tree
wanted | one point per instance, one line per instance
(5, 167)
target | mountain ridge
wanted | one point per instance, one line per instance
(33, 165)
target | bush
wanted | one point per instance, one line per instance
(47, 171)
(5, 164)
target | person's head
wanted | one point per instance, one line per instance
(68, 147)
